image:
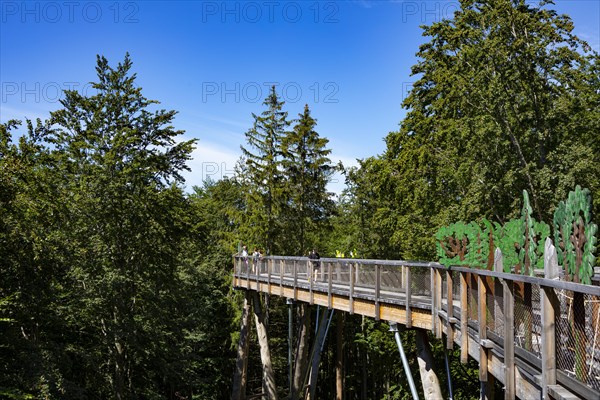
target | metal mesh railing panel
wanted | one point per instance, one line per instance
(391, 278)
(490, 301)
(365, 276)
(456, 285)
(578, 337)
(420, 281)
(527, 318)
(592, 318)
(472, 298)
(496, 305)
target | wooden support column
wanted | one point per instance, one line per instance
(464, 321)
(429, 379)
(550, 308)
(320, 337)
(268, 376)
(339, 360)
(240, 374)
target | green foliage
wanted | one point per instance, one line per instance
(307, 170)
(107, 291)
(263, 173)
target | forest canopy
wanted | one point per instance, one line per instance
(116, 280)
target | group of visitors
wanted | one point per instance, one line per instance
(256, 257)
(313, 256)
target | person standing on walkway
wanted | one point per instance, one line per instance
(316, 264)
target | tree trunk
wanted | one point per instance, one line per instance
(269, 387)
(302, 351)
(316, 355)
(339, 362)
(241, 366)
(364, 357)
(431, 383)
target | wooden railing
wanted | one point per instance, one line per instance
(537, 335)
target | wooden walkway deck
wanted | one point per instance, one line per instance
(540, 337)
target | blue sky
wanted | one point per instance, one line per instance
(213, 61)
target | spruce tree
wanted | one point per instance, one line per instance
(264, 172)
(308, 170)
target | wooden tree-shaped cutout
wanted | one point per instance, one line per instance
(453, 243)
(575, 236)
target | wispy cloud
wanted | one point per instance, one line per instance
(210, 161)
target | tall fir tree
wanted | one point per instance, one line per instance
(264, 173)
(307, 169)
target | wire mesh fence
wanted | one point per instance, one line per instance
(578, 337)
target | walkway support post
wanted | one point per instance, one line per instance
(448, 375)
(429, 378)
(290, 304)
(316, 353)
(268, 376)
(411, 382)
(240, 374)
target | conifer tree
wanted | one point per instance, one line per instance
(308, 170)
(264, 171)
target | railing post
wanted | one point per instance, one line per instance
(351, 305)
(408, 292)
(257, 272)
(450, 311)
(245, 262)
(268, 274)
(235, 272)
(439, 283)
(377, 288)
(295, 270)
(483, 341)
(464, 321)
(280, 276)
(550, 308)
(329, 285)
(433, 300)
(436, 299)
(310, 272)
(506, 291)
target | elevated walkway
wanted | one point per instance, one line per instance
(538, 336)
